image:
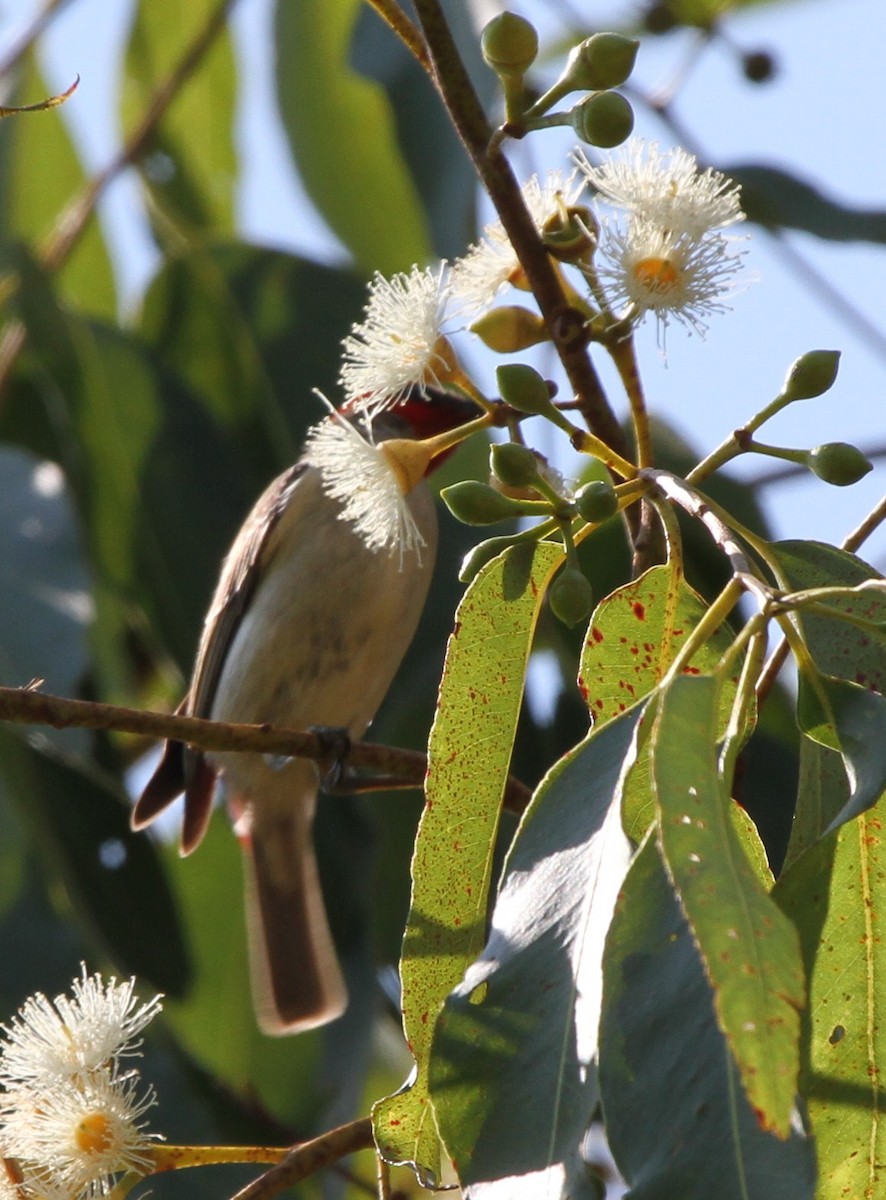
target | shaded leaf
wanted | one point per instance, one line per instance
(777, 198)
(468, 757)
(529, 1008)
(111, 874)
(833, 894)
(677, 1118)
(843, 716)
(349, 161)
(838, 647)
(749, 950)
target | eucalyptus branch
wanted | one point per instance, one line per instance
(74, 219)
(401, 768)
(566, 325)
(309, 1158)
(865, 528)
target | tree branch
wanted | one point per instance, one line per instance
(401, 768)
(310, 1157)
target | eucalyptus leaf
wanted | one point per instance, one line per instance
(529, 1007)
(677, 1119)
(749, 949)
(468, 756)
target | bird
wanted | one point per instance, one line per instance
(307, 627)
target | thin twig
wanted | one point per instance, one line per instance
(402, 768)
(309, 1158)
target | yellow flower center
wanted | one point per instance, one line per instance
(94, 1133)
(657, 274)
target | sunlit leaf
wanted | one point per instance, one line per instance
(677, 1118)
(529, 1008)
(468, 756)
(749, 950)
(348, 159)
(833, 893)
(191, 164)
(40, 173)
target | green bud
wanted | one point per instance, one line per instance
(605, 119)
(571, 597)
(838, 463)
(510, 328)
(476, 503)
(509, 44)
(596, 501)
(485, 552)
(600, 62)
(515, 465)
(523, 388)
(812, 374)
(571, 236)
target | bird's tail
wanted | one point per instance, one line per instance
(296, 979)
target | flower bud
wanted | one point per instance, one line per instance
(523, 388)
(604, 119)
(515, 465)
(812, 374)
(571, 235)
(596, 501)
(475, 503)
(509, 44)
(510, 328)
(571, 597)
(838, 463)
(485, 552)
(601, 62)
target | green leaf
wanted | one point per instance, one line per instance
(275, 324)
(40, 173)
(468, 757)
(843, 716)
(441, 171)
(634, 636)
(342, 132)
(529, 1008)
(749, 949)
(677, 1119)
(111, 875)
(776, 198)
(822, 792)
(838, 647)
(191, 167)
(833, 893)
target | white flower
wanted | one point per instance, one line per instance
(397, 345)
(666, 253)
(56, 1041)
(665, 189)
(488, 266)
(673, 276)
(356, 473)
(75, 1138)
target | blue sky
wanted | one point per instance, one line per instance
(822, 117)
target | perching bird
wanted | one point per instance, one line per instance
(307, 627)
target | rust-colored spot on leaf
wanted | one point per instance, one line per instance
(639, 610)
(597, 634)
